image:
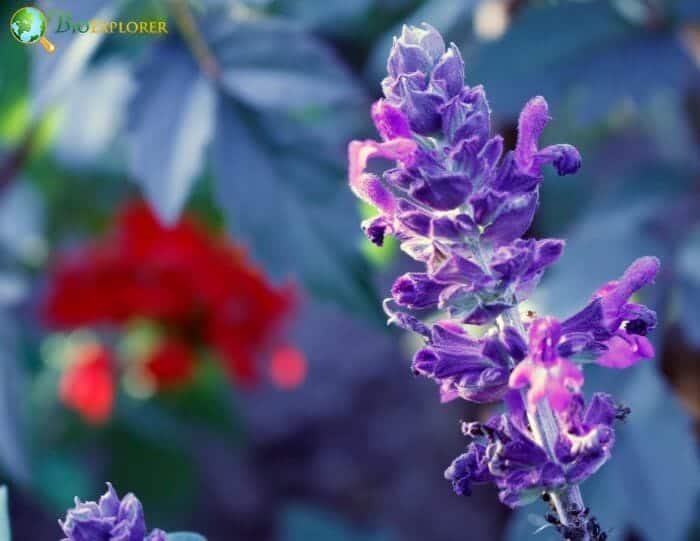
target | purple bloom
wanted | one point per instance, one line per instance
(416, 290)
(454, 190)
(110, 519)
(535, 115)
(609, 327)
(459, 205)
(546, 373)
(587, 437)
(476, 370)
(504, 451)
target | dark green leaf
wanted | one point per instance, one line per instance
(275, 64)
(170, 123)
(688, 271)
(581, 62)
(54, 73)
(291, 206)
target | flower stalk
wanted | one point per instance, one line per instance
(545, 430)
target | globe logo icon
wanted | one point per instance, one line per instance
(28, 26)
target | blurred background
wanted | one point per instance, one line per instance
(233, 369)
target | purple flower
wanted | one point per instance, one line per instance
(416, 290)
(586, 439)
(505, 452)
(454, 190)
(111, 519)
(459, 205)
(546, 373)
(610, 328)
(476, 370)
(534, 117)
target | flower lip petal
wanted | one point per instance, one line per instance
(625, 350)
(367, 186)
(390, 121)
(533, 119)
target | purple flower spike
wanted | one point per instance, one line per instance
(111, 519)
(459, 205)
(422, 74)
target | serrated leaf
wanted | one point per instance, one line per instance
(22, 222)
(654, 450)
(52, 74)
(659, 465)
(688, 270)
(273, 64)
(581, 61)
(185, 536)
(291, 207)
(94, 114)
(170, 123)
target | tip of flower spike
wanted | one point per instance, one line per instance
(416, 50)
(424, 36)
(366, 185)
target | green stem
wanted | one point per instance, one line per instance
(545, 430)
(186, 23)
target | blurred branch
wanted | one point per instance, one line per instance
(186, 23)
(16, 159)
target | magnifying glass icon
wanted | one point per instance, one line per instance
(28, 26)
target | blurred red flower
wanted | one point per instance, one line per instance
(170, 364)
(87, 385)
(199, 286)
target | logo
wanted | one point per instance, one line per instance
(28, 25)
